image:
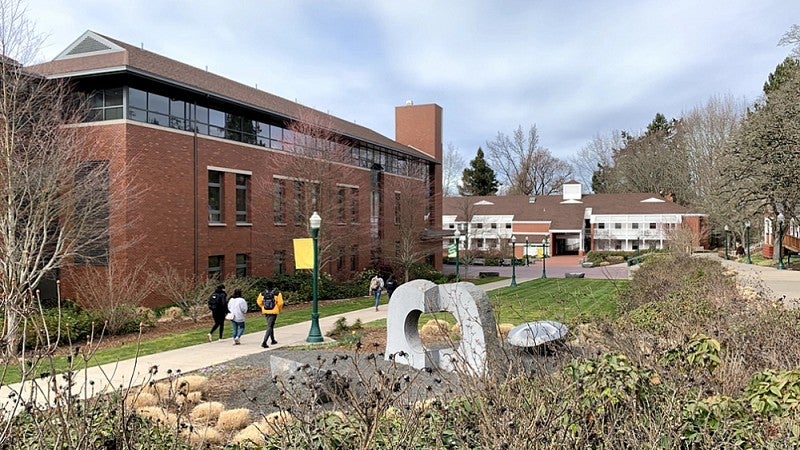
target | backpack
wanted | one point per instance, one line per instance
(269, 299)
(216, 301)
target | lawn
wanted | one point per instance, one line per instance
(567, 300)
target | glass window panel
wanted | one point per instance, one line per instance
(157, 119)
(137, 98)
(216, 131)
(276, 133)
(177, 108)
(137, 114)
(157, 103)
(114, 97)
(277, 145)
(216, 118)
(94, 115)
(262, 130)
(113, 113)
(201, 114)
(96, 100)
(202, 128)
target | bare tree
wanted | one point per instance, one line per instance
(792, 38)
(596, 153)
(411, 245)
(453, 165)
(312, 180)
(55, 196)
(525, 167)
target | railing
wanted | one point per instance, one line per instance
(792, 243)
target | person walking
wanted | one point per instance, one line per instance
(391, 285)
(237, 308)
(375, 288)
(219, 307)
(271, 303)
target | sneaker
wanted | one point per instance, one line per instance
(236, 341)
(209, 337)
(376, 308)
(264, 345)
(274, 342)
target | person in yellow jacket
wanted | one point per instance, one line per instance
(271, 302)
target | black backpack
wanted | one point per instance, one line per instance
(216, 301)
(269, 298)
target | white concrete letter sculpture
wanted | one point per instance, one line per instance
(472, 310)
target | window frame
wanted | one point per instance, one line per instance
(216, 216)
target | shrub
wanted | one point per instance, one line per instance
(206, 412)
(233, 419)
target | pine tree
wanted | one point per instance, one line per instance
(478, 178)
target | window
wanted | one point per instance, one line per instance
(299, 203)
(242, 182)
(635, 225)
(241, 265)
(451, 226)
(479, 225)
(494, 226)
(353, 258)
(278, 190)
(340, 259)
(340, 204)
(214, 196)
(315, 196)
(508, 226)
(215, 266)
(617, 226)
(601, 226)
(105, 105)
(397, 200)
(652, 225)
(354, 205)
(279, 260)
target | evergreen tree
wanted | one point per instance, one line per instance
(478, 178)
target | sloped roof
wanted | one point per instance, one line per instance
(551, 208)
(94, 53)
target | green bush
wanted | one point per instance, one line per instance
(73, 324)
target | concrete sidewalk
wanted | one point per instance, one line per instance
(779, 285)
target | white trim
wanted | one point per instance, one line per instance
(352, 186)
(229, 170)
(113, 48)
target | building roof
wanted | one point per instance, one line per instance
(95, 54)
(552, 208)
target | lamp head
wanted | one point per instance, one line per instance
(526, 239)
(456, 233)
(747, 224)
(544, 241)
(513, 239)
(727, 228)
(781, 218)
(315, 221)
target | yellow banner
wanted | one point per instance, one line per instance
(303, 253)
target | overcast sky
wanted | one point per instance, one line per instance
(573, 68)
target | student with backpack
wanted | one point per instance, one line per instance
(218, 304)
(237, 307)
(271, 303)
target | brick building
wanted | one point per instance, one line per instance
(224, 175)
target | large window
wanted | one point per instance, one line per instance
(397, 200)
(299, 203)
(215, 264)
(278, 203)
(354, 205)
(342, 211)
(241, 265)
(105, 105)
(242, 183)
(215, 196)
(279, 260)
(353, 258)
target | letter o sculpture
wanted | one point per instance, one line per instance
(472, 310)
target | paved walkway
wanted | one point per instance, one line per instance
(783, 285)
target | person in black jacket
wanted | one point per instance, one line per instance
(218, 304)
(391, 285)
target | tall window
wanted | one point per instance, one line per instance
(278, 191)
(342, 212)
(299, 203)
(242, 182)
(215, 266)
(354, 205)
(241, 264)
(279, 261)
(214, 196)
(652, 225)
(397, 200)
(635, 225)
(340, 259)
(315, 196)
(105, 104)
(353, 258)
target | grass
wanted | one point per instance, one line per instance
(567, 300)
(254, 324)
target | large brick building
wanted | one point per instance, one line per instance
(224, 175)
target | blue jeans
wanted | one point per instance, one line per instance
(377, 297)
(238, 329)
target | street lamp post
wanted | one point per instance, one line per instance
(781, 218)
(457, 234)
(314, 335)
(544, 257)
(727, 230)
(513, 263)
(747, 241)
(637, 246)
(527, 250)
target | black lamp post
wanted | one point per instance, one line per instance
(527, 250)
(457, 234)
(747, 241)
(544, 257)
(781, 218)
(513, 263)
(727, 231)
(315, 334)
(637, 246)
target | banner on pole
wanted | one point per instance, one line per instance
(303, 253)
(451, 251)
